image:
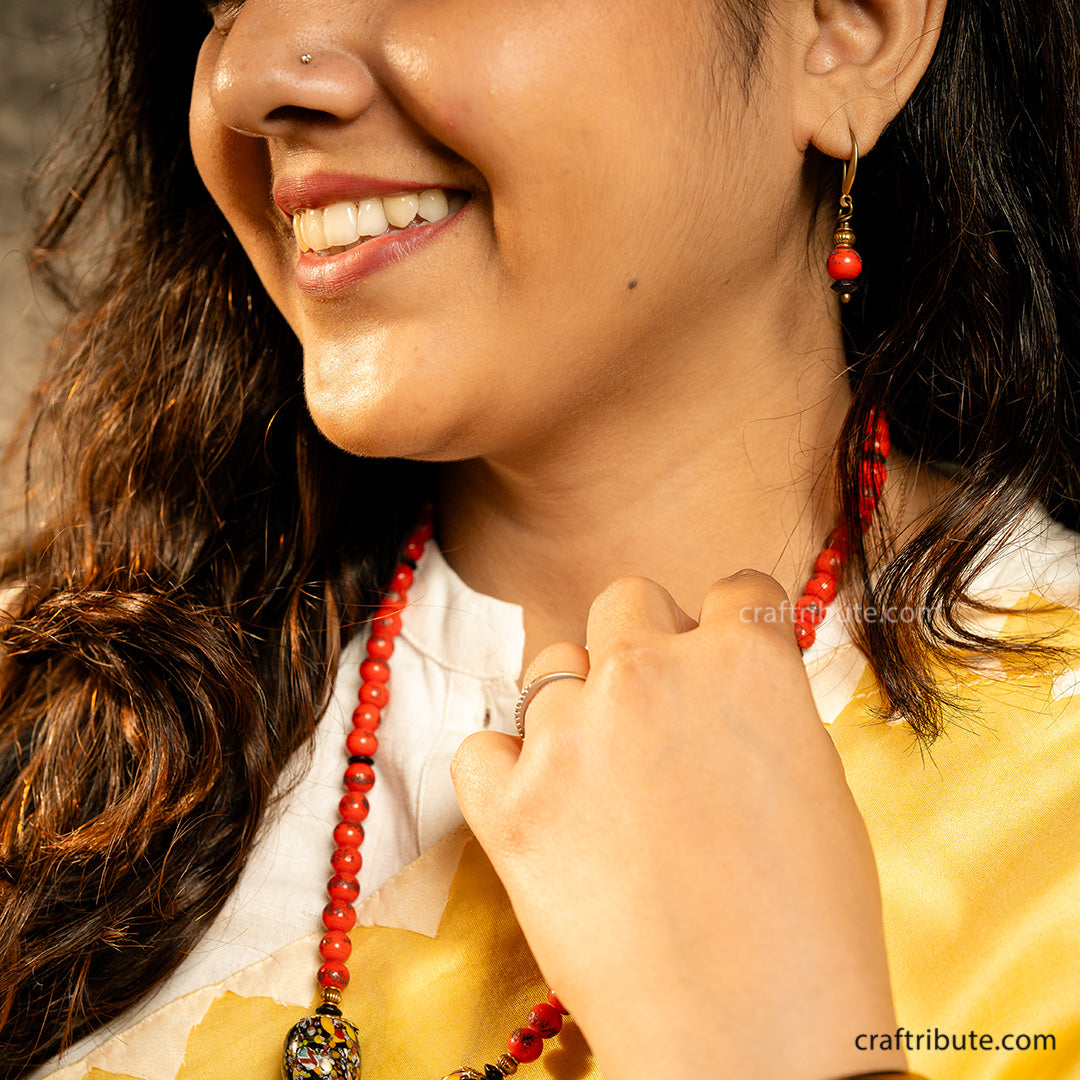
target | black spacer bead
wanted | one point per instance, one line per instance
(846, 286)
(327, 1010)
(361, 759)
(410, 563)
(876, 457)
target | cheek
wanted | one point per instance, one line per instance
(577, 128)
(498, 83)
(236, 171)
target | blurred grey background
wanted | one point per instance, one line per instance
(44, 52)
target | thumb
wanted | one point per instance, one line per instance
(481, 771)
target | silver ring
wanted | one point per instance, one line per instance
(532, 690)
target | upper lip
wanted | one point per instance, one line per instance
(293, 193)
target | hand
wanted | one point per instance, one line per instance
(681, 848)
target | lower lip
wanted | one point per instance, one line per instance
(328, 275)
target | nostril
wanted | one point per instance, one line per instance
(286, 115)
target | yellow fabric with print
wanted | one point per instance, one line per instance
(977, 842)
(978, 849)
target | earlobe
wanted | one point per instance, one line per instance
(862, 61)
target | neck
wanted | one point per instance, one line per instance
(683, 474)
(682, 497)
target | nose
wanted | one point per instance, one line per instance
(278, 66)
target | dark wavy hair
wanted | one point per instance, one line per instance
(172, 632)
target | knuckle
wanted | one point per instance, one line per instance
(625, 591)
(756, 640)
(750, 598)
(749, 579)
(632, 663)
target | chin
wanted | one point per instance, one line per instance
(385, 428)
(366, 400)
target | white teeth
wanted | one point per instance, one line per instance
(370, 219)
(343, 224)
(433, 205)
(401, 209)
(340, 225)
(312, 230)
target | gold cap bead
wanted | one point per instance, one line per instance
(507, 1065)
(331, 995)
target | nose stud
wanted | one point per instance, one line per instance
(306, 58)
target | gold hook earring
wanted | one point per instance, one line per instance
(844, 262)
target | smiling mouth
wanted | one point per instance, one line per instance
(342, 226)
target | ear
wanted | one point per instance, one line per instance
(861, 61)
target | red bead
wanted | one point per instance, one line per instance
(867, 506)
(343, 888)
(347, 859)
(353, 807)
(366, 716)
(823, 587)
(393, 603)
(525, 1044)
(402, 579)
(881, 437)
(546, 1019)
(804, 635)
(424, 532)
(829, 562)
(414, 549)
(335, 945)
(877, 434)
(374, 671)
(359, 776)
(338, 916)
(872, 476)
(840, 540)
(361, 741)
(386, 625)
(844, 264)
(380, 648)
(809, 610)
(346, 834)
(334, 973)
(374, 693)
(555, 1003)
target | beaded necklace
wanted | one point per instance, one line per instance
(326, 1046)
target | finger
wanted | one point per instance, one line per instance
(480, 771)
(630, 607)
(748, 596)
(562, 656)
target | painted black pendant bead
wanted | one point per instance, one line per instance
(322, 1048)
(492, 1073)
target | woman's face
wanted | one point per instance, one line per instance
(606, 185)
